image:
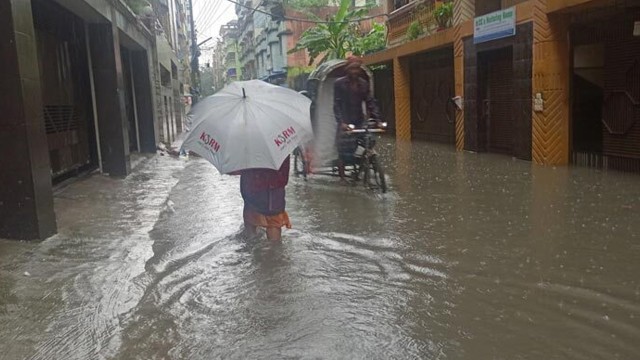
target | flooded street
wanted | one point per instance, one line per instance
(467, 257)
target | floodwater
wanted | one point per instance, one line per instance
(467, 257)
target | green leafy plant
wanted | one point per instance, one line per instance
(332, 38)
(415, 30)
(374, 40)
(443, 14)
(295, 71)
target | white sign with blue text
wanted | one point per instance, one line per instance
(497, 25)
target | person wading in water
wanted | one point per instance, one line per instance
(263, 192)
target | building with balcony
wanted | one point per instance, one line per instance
(229, 52)
(218, 64)
(260, 42)
(554, 82)
(171, 67)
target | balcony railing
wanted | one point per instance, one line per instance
(400, 19)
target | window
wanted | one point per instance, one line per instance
(165, 76)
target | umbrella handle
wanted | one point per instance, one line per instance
(244, 95)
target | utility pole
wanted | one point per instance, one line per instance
(195, 53)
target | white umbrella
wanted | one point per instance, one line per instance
(249, 124)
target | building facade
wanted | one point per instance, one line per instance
(265, 40)
(171, 67)
(252, 45)
(230, 52)
(554, 82)
(218, 65)
(80, 93)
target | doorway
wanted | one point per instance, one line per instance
(432, 87)
(588, 96)
(497, 130)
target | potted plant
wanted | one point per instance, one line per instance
(443, 14)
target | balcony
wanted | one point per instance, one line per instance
(400, 19)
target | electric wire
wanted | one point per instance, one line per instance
(213, 23)
(214, 14)
(307, 20)
(205, 11)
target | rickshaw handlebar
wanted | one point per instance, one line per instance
(371, 127)
(361, 131)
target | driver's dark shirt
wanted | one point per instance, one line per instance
(348, 98)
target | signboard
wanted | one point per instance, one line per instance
(497, 25)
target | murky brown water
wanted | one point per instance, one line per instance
(468, 257)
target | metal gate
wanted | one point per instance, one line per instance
(621, 107)
(432, 87)
(619, 146)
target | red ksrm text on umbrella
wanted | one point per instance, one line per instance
(210, 141)
(283, 137)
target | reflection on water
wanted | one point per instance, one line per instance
(468, 257)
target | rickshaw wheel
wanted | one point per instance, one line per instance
(373, 167)
(378, 173)
(299, 163)
(364, 170)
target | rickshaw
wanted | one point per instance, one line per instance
(357, 146)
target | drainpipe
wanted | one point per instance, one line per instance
(93, 95)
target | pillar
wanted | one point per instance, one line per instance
(110, 103)
(550, 127)
(402, 92)
(463, 10)
(26, 198)
(144, 100)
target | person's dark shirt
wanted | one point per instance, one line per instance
(348, 98)
(258, 180)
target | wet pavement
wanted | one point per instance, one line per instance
(467, 257)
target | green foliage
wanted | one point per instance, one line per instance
(206, 81)
(415, 30)
(443, 14)
(334, 38)
(299, 70)
(373, 41)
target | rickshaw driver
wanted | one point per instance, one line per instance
(349, 92)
